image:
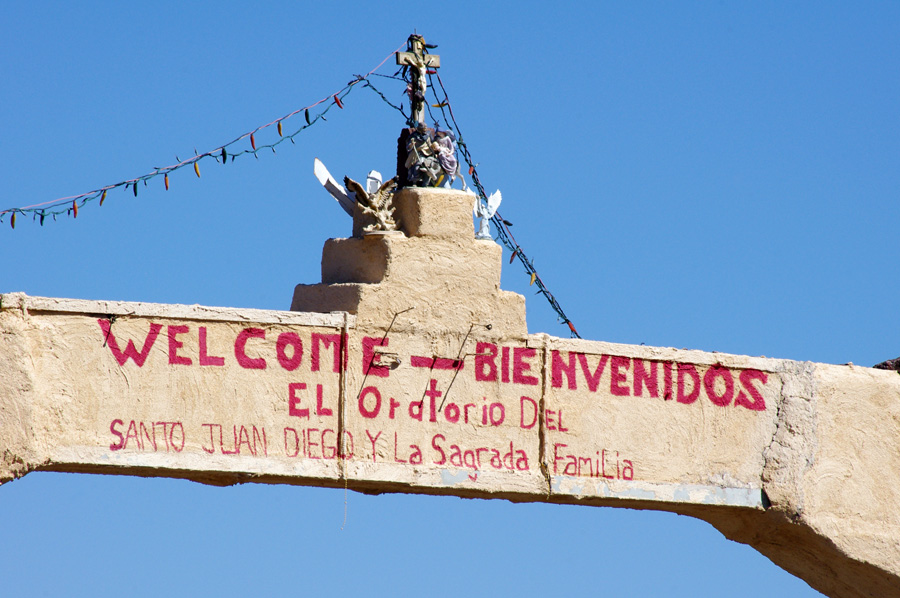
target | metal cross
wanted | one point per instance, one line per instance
(418, 61)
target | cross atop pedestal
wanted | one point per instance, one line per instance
(418, 60)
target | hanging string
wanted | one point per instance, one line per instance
(231, 150)
(503, 233)
(386, 101)
(395, 76)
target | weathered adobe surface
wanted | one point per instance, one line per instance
(798, 460)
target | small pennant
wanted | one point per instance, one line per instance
(441, 105)
(103, 197)
(75, 209)
(280, 134)
(134, 188)
(166, 179)
(197, 169)
(337, 101)
(306, 114)
(224, 156)
(252, 142)
(533, 278)
(12, 221)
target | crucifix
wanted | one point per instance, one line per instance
(418, 61)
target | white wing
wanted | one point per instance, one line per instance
(336, 190)
(493, 202)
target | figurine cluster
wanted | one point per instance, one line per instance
(426, 157)
(376, 200)
(431, 157)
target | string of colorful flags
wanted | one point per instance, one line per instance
(246, 144)
(222, 154)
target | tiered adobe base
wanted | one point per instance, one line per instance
(433, 264)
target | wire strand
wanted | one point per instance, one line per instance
(503, 233)
(221, 154)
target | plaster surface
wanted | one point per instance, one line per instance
(409, 370)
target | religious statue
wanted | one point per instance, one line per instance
(431, 158)
(485, 211)
(445, 143)
(415, 62)
(426, 157)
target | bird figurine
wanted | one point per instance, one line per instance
(375, 199)
(377, 204)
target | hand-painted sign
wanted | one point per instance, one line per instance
(328, 401)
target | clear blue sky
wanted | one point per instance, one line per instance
(709, 176)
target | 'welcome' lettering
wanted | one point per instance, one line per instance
(130, 349)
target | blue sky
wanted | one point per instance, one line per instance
(709, 176)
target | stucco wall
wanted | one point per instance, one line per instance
(411, 379)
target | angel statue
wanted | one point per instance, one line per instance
(486, 211)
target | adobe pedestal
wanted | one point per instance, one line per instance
(433, 265)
